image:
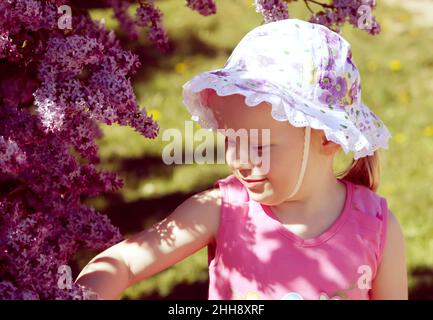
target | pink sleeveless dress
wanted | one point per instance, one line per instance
(254, 256)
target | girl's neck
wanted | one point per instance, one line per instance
(324, 200)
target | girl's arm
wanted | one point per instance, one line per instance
(391, 278)
(190, 227)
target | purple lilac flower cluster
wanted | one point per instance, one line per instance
(150, 16)
(56, 86)
(332, 13)
(358, 13)
(204, 7)
(272, 10)
(147, 15)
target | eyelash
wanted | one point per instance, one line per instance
(256, 147)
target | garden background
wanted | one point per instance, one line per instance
(397, 83)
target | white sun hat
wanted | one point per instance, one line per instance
(305, 71)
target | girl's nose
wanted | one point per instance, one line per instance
(238, 157)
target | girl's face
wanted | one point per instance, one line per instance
(285, 149)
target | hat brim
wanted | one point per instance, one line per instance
(339, 125)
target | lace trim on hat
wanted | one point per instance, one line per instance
(338, 125)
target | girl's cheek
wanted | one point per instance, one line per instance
(280, 165)
(229, 158)
(235, 156)
(230, 155)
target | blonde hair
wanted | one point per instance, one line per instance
(364, 171)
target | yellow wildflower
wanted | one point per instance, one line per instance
(395, 65)
(155, 113)
(180, 67)
(428, 131)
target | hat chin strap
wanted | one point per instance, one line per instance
(304, 160)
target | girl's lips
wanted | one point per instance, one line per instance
(254, 180)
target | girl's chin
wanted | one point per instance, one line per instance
(260, 195)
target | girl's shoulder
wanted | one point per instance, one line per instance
(203, 208)
(370, 215)
(232, 190)
(368, 202)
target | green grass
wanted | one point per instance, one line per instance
(396, 68)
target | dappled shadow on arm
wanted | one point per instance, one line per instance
(150, 214)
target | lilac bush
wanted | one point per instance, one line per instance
(56, 86)
(332, 13)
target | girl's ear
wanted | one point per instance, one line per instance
(325, 142)
(326, 146)
(204, 97)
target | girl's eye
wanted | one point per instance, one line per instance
(260, 147)
(231, 142)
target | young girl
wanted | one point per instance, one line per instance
(295, 230)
